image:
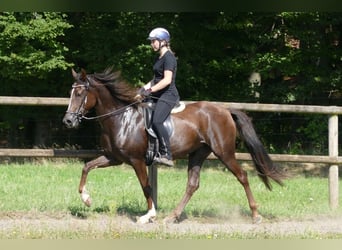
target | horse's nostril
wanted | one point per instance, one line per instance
(67, 122)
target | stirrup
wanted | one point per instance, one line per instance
(163, 160)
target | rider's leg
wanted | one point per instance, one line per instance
(161, 112)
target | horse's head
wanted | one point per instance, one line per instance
(81, 100)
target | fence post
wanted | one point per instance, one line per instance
(153, 180)
(333, 169)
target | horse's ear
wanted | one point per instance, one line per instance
(83, 75)
(74, 74)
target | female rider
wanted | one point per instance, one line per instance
(162, 89)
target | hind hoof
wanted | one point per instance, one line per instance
(257, 219)
(170, 220)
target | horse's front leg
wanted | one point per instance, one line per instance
(149, 216)
(99, 162)
(141, 172)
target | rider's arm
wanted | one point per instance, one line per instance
(163, 82)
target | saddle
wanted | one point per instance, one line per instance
(153, 146)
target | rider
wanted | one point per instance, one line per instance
(163, 90)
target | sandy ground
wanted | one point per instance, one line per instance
(23, 224)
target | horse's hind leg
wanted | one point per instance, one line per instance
(194, 167)
(99, 162)
(231, 163)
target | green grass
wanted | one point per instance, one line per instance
(52, 187)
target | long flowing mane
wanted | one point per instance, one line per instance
(118, 87)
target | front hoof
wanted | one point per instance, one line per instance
(257, 219)
(144, 219)
(86, 199)
(87, 202)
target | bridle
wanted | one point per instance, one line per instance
(79, 112)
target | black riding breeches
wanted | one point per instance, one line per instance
(161, 112)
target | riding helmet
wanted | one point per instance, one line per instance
(159, 34)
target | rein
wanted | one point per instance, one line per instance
(120, 110)
(115, 112)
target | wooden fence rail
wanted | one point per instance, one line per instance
(333, 157)
(256, 107)
(85, 153)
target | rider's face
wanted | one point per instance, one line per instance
(156, 44)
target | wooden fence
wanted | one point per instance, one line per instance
(333, 158)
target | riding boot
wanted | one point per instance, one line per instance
(164, 157)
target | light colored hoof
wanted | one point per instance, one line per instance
(87, 202)
(257, 219)
(145, 219)
(86, 198)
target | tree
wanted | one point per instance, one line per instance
(32, 57)
(31, 46)
(297, 55)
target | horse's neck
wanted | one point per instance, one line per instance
(121, 114)
(105, 106)
(105, 103)
(123, 126)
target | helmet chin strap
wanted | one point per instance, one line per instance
(161, 46)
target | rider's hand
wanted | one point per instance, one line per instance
(142, 93)
(145, 92)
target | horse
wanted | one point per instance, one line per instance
(200, 129)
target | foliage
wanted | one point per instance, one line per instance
(30, 45)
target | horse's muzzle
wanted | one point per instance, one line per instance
(71, 120)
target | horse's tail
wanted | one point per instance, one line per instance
(262, 161)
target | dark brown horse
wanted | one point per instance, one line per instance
(202, 128)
